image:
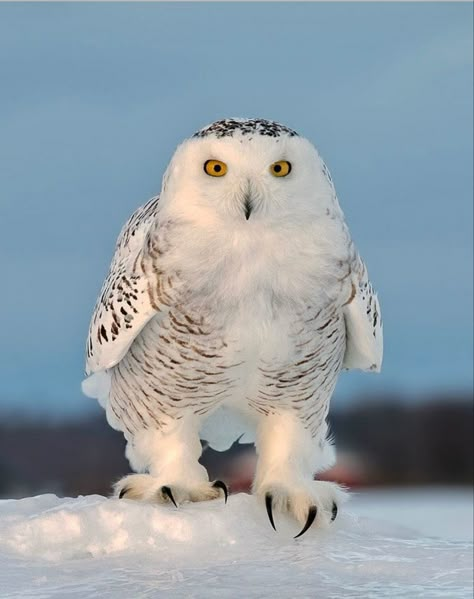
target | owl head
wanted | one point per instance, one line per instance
(245, 172)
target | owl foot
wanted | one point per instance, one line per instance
(317, 502)
(204, 494)
(144, 487)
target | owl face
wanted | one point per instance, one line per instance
(247, 172)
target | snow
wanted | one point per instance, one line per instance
(432, 511)
(98, 547)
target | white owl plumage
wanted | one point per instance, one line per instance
(232, 303)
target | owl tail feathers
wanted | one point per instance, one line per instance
(97, 386)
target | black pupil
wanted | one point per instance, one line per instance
(217, 168)
(277, 168)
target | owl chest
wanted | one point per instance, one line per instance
(242, 307)
(255, 281)
(247, 337)
(194, 358)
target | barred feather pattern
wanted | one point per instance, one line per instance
(129, 290)
(188, 359)
(366, 291)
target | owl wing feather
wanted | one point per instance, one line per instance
(364, 330)
(125, 303)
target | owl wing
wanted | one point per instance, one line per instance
(364, 331)
(126, 302)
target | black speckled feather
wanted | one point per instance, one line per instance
(228, 127)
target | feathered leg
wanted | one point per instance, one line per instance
(288, 457)
(170, 460)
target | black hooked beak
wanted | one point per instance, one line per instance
(248, 207)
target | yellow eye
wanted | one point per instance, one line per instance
(215, 168)
(280, 168)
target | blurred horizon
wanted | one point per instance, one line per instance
(96, 97)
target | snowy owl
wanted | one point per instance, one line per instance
(233, 301)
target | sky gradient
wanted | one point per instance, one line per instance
(95, 97)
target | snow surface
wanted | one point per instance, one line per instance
(98, 547)
(445, 512)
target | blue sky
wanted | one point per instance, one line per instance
(95, 97)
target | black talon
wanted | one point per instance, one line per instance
(268, 505)
(123, 492)
(167, 491)
(334, 512)
(218, 484)
(313, 510)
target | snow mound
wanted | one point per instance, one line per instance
(98, 547)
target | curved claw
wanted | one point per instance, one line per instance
(218, 484)
(268, 505)
(334, 512)
(167, 492)
(313, 510)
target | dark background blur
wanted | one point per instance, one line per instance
(94, 100)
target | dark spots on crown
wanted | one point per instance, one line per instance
(227, 128)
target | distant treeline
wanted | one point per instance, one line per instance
(418, 443)
(388, 442)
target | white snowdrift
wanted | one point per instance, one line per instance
(97, 547)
